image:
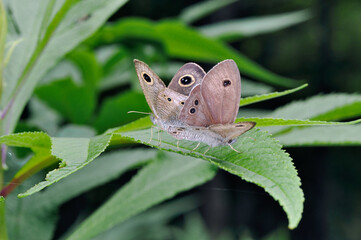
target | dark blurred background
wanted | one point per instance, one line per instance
(324, 51)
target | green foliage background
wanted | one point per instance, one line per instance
(67, 83)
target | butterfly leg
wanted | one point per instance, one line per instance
(159, 137)
(204, 154)
(151, 134)
(196, 147)
(178, 145)
(232, 148)
(251, 138)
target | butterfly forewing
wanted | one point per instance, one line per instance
(221, 91)
(187, 77)
(151, 84)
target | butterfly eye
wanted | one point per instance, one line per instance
(226, 83)
(147, 78)
(182, 103)
(169, 99)
(186, 81)
(192, 110)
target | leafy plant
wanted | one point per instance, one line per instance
(59, 63)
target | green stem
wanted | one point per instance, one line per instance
(3, 233)
(3, 31)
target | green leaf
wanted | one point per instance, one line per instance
(86, 61)
(263, 97)
(26, 216)
(149, 222)
(107, 167)
(75, 103)
(43, 117)
(261, 161)
(156, 182)
(248, 27)
(114, 111)
(183, 42)
(322, 136)
(3, 231)
(61, 36)
(75, 153)
(202, 9)
(335, 106)
(265, 122)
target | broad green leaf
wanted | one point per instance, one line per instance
(75, 153)
(156, 182)
(40, 144)
(114, 111)
(265, 122)
(202, 9)
(183, 42)
(65, 31)
(334, 106)
(263, 97)
(76, 131)
(107, 167)
(248, 27)
(149, 222)
(3, 231)
(261, 161)
(322, 136)
(73, 102)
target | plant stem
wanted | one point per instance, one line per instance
(3, 31)
(3, 234)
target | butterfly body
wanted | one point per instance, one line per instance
(196, 106)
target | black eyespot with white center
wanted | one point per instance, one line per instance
(169, 99)
(196, 102)
(192, 110)
(226, 83)
(186, 81)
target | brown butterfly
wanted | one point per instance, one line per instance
(196, 106)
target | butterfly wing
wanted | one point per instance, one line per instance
(186, 78)
(231, 131)
(221, 91)
(195, 112)
(216, 99)
(151, 84)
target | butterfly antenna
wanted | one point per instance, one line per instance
(232, 148)
(159, 138)
(138, 112)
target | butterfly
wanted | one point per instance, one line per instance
(196, 106)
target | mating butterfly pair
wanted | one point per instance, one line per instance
(196, 106)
